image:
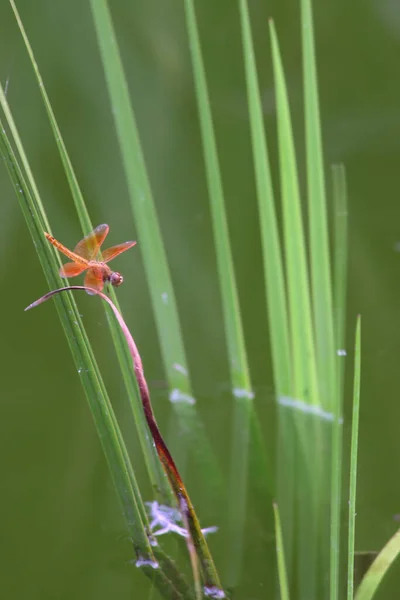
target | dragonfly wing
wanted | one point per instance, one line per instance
(72, 269)
(89, 247)
(111, 253)
(94, 280)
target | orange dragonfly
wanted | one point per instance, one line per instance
(85, 256)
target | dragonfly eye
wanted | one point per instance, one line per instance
(116, 279)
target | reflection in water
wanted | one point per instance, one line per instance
(167, 519)
(306, 408)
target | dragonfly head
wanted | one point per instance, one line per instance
(116, 279)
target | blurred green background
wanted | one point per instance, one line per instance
(62, 535)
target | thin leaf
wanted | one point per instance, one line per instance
(280, 555)
(339, 308)
(340, 258)
(303, 352)
(321, 283)
(377, 571)
(318, 222)
(196, 535)
(303, 404)
(155, 472)
(274, 281)
(155, 261)
(353, 465)
(86, 365)
(272, 259)
(239, 370)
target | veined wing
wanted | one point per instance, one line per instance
(89, 247)
(112, 252)
(94, 279)
(72, 269)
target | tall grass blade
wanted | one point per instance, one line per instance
(274, 282)
(239, 370)
(340, 244)
(304, 372)
(321, 286)
(318, 223)
(154, 257)
(233, 326)
(72, 180)
(167, 579)
(272, 258)
(196, 539)
(339, 309)
(280, 554)
(309, 417)
(156, 474)
(353, 463)
(85, 362)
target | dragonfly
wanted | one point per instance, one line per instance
(85, 257)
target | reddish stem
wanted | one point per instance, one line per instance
(211, 581)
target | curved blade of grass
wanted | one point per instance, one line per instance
(109, 433)
(212, 584)
(339, 308)
(158, 276)
(239, 371)
(377, 571)
(35, 216)
(353, 464)
(194, 560)
(304, 401)
(155, 472)
(274, 282)
(168, 580)
(76, 336)
(280, 554)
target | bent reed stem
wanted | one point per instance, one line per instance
(212, 585)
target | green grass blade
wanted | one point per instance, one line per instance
(168, 579)
(339, 308)
(318, 223)
(158, 276)
(299, 304)
(274, 282)
(233, 326)
(353, 463)
(377, 571)
(321, 284)
(303, 404)
(156, 474)
(72, 180)
(382, 563)
(83, 356)
(340, 257)
(272, 259)
(280, 555)
(239, 370)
